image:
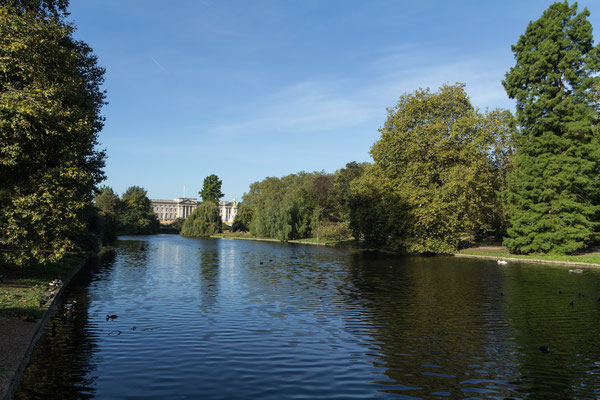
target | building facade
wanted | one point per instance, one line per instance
(168, 211)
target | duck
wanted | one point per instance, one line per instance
(70, 304)
(110, 316)
(502, 262)
(576, 271)
(544, 349)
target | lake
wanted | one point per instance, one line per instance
(238, 319)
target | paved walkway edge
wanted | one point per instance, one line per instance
(534, 260)
(18, 374)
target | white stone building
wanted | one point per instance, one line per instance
(168, 211)
(228, 210)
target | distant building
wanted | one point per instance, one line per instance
(168, 211)
(228, 210)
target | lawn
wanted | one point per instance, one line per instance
(22, 288)
(502, 252)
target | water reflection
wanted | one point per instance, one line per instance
(237, 319)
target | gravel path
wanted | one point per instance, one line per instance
(16, 337)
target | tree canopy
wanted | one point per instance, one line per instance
(211, 189)
(442, 161)
(136, 215)
(554, 190)
(50, 103)
(204, 221)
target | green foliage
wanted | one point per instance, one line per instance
(378, 215)
(243, 218)
(296, 205)
(340, 194)
(283, 208)
(332, 231)
(107, 201)
(50, 101)
(211, 189)
(204, 221)
(554, 191)
(103, 222)
(136, 215)
(177, 225)
(24, 286)
(442, 162)
(42, 8)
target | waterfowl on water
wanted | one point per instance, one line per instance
(576, 271)
(70, 304)
(544, 349)
(112, 317)
(502, 262)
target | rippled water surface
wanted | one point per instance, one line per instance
(234, 319)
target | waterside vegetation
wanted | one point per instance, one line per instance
(23, 289)
(442, 173)
(445, 173)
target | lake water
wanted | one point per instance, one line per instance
(236, 319)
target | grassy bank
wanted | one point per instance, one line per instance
(501, 252)
(316, 241)
(22, 288)
(325, 242)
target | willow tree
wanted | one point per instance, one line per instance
(554, 191)
(50, 102)
(204, 221)
(443, 162)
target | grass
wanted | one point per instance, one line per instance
(23, 287)
(588, 257)
(323, 241)
(246, 235)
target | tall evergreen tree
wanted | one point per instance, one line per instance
(553, 191)
(211, 189)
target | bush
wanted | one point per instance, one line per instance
(333, 231)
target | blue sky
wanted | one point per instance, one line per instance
(250, 89)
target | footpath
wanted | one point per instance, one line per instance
(18, 339)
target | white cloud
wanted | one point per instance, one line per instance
(333, 105)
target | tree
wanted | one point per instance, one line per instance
(50, 102)
(103, 221)
(204, 221)
(340, 192)
(283, 208)
(378, 215)
(243, 218)
(136, 215)
(442, 161)
(554, 191)
(211, 189)
(42, 8)
(107, 201)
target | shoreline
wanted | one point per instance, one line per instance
(533, 260)
(20, 338)
(507, 258)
